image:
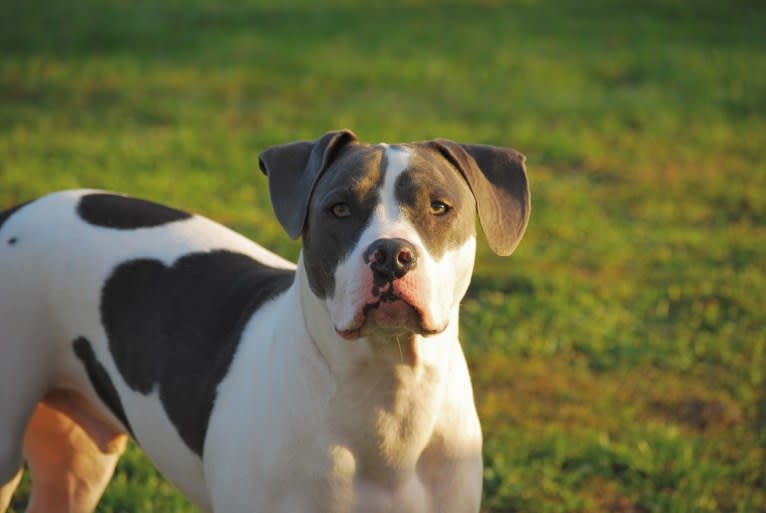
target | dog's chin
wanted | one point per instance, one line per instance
(390, 320)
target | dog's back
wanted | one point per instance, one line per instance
(95, 286)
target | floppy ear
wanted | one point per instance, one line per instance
(293, 170)
(498, 179)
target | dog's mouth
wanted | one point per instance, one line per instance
(389, 316)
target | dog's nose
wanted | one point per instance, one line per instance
(391, 258)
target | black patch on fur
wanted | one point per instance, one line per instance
(384, 296)
(125, 213)
(12, 241)
(6, 214)
(355, 179)
(100, 380)
(178, 327)
(430, 178)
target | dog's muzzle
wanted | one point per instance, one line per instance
(393, 304)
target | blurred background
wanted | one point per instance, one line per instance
(618, 356)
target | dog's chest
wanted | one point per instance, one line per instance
(428, 488)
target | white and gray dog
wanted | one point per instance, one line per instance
(334, 385)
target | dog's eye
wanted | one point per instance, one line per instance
(340, 210)
(439, 208)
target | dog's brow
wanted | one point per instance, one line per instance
(332, 194)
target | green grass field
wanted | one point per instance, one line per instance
(619, 357)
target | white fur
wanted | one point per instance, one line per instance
(339, 426)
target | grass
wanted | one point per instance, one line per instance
(619, 356)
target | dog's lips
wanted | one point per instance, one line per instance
(392, 316)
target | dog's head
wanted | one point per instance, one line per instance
(389, 230)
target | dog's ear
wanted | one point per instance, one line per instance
(293, 170)
(498, 179)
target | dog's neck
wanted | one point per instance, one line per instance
(392, 387)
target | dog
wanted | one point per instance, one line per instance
(252, 383)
